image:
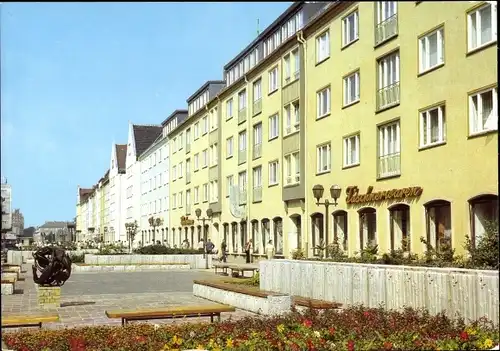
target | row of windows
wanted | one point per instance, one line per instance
(210, 192)
(154, 207)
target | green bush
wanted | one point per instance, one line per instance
(163, 250)
(77, 258)
(485, 253)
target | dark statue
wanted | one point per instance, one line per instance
(52, 266)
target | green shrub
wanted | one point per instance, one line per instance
(163, 250)
(298, 254)
(485, 253)
(77, 258)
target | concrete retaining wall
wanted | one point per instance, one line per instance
(470, 293)
(19, 257)
(195, 261)
(129, 268)
(272, 305)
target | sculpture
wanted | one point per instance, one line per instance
(52, 266)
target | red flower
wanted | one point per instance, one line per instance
(140, 339)
(464, 336)
(366, 314)
(387, 345)
(332, 330)
(350, 345)
(307, 323)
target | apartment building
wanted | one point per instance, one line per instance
(154, 180)
(194, 172)
(117, 189)
(6, 190)
(402, 116)
(140, 138)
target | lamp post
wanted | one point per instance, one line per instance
(318, 191)
(155, 223)
(203, 219)
(131, 228)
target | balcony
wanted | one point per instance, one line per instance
(257, 194)
(291, 91)
(292, 180)
(389, 165)
(188, 148)
(242, 156)
(243, 196)
(242, 115)
(386, 29)
(257, 107)
(388, 96)
(188, 177)
(257, 150)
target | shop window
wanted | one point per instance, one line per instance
(484, 215)
(399, 217)
(367, 227)
(438, 217)
(317, 232)
(340, 228)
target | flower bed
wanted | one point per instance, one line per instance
(355, 328)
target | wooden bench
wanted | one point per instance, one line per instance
(242, 268)
(223, 266)
(21, 321)
(315, 304)
(211, 311)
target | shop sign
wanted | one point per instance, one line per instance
(353, 196)
(186, 221)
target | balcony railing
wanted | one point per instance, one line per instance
(389, 165)
(386, 29)
(295, 179)
(243, 196)
(257, 150)
(242, 115)
(188, 148)
(188, 177)
(388, 96)
(257, 107)
(242, 156)
(257, 194)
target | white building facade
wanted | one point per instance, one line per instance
(154, 199)
(117, 188)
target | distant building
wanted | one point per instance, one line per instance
(17, 222)
(6, 192)
(55, 231)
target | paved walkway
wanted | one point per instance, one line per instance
(88, 295)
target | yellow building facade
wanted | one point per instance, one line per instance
(395, 103)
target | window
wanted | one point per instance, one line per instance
(389, 163)
(159, 180)
(439, 229)
(292, 168)
(229, 109)
(229, 146)
(323, 47)
(205, 158)
(273, 126)
(386, 10)
(229, 184)
(180, 142)
(273, 79)
(214, 119)
(323, 158)
(286, 68)
(214, 191)
(351, 88)
(196, 130)
(242, 100)
(257, 134)
(292, 115)
(296, 63)
(257, 177)
(243, 140)
(180, 170)
(205, 192)
(483, 111)
(213, 155)
(242, 181)
(351, 151)
(174, 200)
(274, 173)
(174, 174)
(188, 139)
(482, 26)
(196, 162)
(188, 199)
(179, 198)
(350, 25)
(432, 126)
(323, 102)
(205, 125)
(159, 155)
(388, 80)
(257, 90)
(174, 144)
(196, 194)
(431, 50)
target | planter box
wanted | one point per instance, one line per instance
(195, 261)
(270, 305)
(470, 293)
(129, 268)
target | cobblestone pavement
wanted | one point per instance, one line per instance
(93, 293)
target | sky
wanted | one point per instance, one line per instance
(74, 74)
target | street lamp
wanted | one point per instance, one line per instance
(131, 228)
(203, 219)
(318, 191)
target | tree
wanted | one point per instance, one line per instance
(155, 222)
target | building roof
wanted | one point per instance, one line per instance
(54, 225)
(84, 194)
(121, 157)
(144, 136)
(204, 87)
(292, 8)
(176, 112)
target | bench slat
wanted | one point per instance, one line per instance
(170, 311)
(23, 320)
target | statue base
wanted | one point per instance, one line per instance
(49, 296)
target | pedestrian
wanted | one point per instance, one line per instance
(248, 250)
(210, 246)
(223, 248)
(201, 245)
(270, 250)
